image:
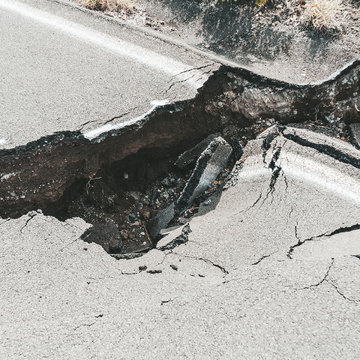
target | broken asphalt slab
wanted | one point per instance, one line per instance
(210, 163)
(229, 100)
(228, 290)
(208, 166)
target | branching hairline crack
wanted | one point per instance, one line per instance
(83, 325)
(178, 82)
(110, 120)
(267, 144)
(194, 68)
(117, 117)
(264, 257)
(324, 277)
(276, 170)
(202, 75)
(261, 259)
(341, 293)
(222, 268)
(251, 206)
(285, 180)
(5, 221)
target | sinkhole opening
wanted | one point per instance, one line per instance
(132, 202)
(125, 200)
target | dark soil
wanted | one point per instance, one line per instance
(121, 200)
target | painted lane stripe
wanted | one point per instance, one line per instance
(302, 168)
(313, 172)
(92, 134)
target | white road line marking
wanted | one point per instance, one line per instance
(109, 43)
(322, 175)
(92, 134)
(309, 171)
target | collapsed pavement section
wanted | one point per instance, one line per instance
(111, 172)
(273, 269)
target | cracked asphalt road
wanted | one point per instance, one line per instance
(63, 69)
(271, 273)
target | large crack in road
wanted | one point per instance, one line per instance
(121, 179)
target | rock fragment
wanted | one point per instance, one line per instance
(173, 242)
(169, 237)
(208, 166)
(355, 134)
(190, 156)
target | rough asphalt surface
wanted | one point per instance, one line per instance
(271, 273)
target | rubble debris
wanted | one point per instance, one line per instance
(208, 166)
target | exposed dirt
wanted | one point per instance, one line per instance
(277, 39)
(123, 199)
(132, 12)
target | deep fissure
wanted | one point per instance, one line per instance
(122, 180)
